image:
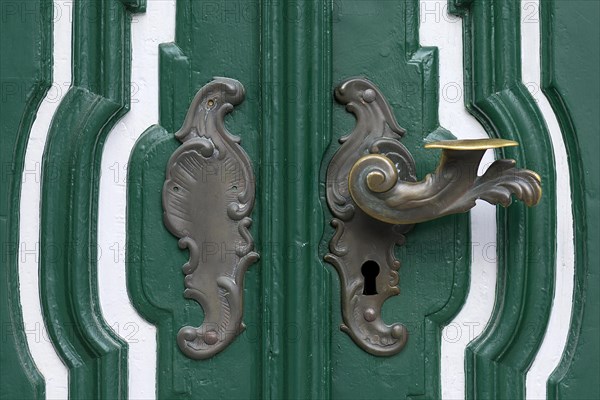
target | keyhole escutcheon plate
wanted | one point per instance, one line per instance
(362, 248)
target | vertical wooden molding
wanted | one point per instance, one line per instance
(26, 77)
(154, 142)
(296, 92)
(498, 360)
(94, 354)
(271, 188)
(575, 376)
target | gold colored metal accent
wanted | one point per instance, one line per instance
(471, 144)
(377, 180)
(453, 187)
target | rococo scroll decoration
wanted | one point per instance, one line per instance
(207, 197)
(362, 249)
(375, 199)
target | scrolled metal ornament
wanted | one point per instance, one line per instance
(363, 248)
(451, 189)
(207, 198)
(374, 196)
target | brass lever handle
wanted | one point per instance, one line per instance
(453, 188)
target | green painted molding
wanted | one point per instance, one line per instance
(566, 41)
(498, 360)
(95, 355)
(271, 183)
(26, 77)
(379, 40)
(458, 261)
(154, 142)
(296, 94)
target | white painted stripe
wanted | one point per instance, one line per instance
(47, 360)
(438, 28)
(148, 30)
(555, 339)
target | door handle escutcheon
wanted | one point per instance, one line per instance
(207, 198)
(375, 199)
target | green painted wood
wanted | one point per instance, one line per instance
(26, 72)
(289, 56)
(95, 355)
(379, 40)
(271, 188)
(498, 360)
(296, 92)
(571, 82)
(209, 42)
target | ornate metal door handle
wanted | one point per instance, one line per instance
(374, 171)
(453, 188)
(207, 197)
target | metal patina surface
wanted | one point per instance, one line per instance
(208, 196)
(374, 171)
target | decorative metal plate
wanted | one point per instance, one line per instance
(362, 249)
(207, 198)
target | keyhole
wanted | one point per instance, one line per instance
(370, 270)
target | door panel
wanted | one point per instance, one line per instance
(288, 165)
(290, 56)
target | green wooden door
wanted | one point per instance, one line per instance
(290, 56)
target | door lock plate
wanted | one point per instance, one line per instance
(375, 199)
(362, 248)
